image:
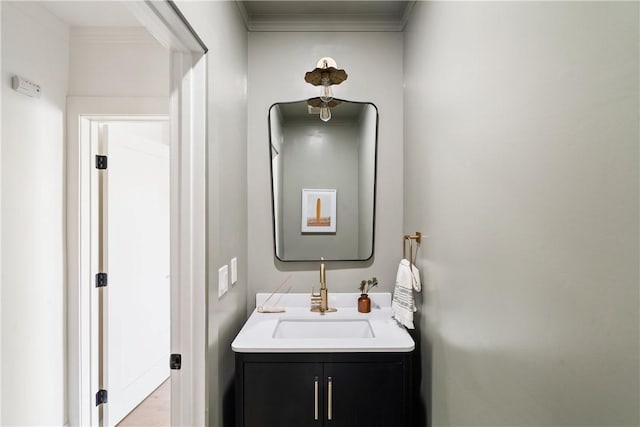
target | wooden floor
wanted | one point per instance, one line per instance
(154, 411)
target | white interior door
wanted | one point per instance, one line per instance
(138, 313)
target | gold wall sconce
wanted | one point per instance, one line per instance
(325, 75)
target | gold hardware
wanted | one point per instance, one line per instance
(320, 301)
(315, 391)
(316, 300)
(408, 237)
(323, 274)
(330, 399)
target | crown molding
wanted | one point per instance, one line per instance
(324, 25)
(243, 13)
(407, 13)
(313, 22)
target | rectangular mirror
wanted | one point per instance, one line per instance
(323, 180)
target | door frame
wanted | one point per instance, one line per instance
(186, 108)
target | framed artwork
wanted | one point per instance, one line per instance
(318, 211)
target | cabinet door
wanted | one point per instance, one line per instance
(282, 394)
(365, 394)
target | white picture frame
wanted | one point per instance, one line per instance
(318, 210)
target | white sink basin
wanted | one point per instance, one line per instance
(323, 328)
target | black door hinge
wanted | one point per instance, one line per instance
(175, 362)
(101, 397)
(101, 280)
(101, 162)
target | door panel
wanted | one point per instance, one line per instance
(138, 253)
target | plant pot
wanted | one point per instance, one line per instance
(364, 303)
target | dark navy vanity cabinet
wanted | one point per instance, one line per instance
(323, 389)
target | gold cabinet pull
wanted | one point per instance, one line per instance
(330, 399)
(315, 406)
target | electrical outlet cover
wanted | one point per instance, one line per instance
(234, 270)
(223, 280)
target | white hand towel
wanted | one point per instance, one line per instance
(403, 306)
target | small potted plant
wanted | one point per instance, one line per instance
(364, 303)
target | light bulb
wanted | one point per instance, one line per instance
(325, 113)
(326, 93)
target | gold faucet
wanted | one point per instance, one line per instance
(320, 301)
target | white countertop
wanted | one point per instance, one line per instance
(257, 334)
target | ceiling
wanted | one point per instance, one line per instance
(259, 15)
(325, 15)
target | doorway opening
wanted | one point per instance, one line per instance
(130, 207)
(186, 109)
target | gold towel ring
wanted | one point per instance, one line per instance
(418, 238)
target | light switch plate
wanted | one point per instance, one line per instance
(234, 270)
(223, 280)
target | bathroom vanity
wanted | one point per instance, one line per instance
(346, 368)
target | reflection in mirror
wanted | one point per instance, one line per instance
(323, 180)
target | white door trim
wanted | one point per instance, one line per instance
(188, 241)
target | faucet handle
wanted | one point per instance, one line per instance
(315, 298)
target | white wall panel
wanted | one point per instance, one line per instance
(35, 46)
(117, 61)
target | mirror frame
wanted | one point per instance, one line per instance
(375, 186)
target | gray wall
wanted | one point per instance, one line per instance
(521, 167)
(284, 58)
(317, 156)
(221, 27)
